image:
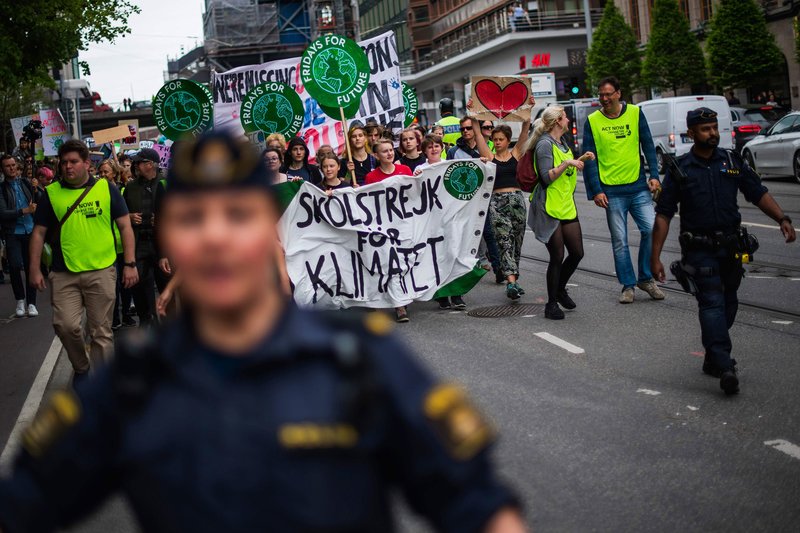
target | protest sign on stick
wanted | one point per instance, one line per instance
(272, 107)
(110, 134)
(501, 98)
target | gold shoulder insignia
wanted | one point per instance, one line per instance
(61, 412)
(458, 424)
(378, 323)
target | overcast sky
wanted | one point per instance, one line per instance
(134, 66)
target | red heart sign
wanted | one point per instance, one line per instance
(501, 102)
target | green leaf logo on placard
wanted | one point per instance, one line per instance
(272, 107)
(463, 179)
(411, 104)
(183, 108)
(335, 71)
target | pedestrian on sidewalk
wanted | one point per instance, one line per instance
(554, 216)
(17, 207)
(616, 182)
(247, 413)
(80, 212)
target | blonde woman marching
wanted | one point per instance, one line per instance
(554, 216)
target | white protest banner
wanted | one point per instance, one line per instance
(390, 243)
(54, 130)
(382, 101)
(501, 98)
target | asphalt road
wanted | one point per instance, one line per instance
(606, 421)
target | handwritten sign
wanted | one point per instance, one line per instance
(110, 134)
(131, 142)
(165, 153)
(501, 98)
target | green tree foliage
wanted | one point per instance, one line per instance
(38, 34)
(741, 50)
(614, 52)
(673, 57)
(797, 39)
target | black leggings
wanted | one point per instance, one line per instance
(568, 234)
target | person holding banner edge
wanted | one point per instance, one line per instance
(507, 205)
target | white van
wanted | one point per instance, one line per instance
(667, 120)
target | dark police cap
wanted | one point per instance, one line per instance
(146, 154)
(701, 115)
(215, 161)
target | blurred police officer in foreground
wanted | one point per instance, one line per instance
(247, 413)
(705, 183)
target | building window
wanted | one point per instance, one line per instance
(635, 23)
(706, 10)
(685, 8)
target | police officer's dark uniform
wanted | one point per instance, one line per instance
(713, 243)
(306, 433)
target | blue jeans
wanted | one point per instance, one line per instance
(718, 278)
(640, 206)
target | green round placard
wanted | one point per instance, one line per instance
(335, 71)
(411, 104)
(272, 107)
(183, 108)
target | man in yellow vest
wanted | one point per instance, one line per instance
(81, 213)
(616, 182)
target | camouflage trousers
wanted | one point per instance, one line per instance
(508, 217)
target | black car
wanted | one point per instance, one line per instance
(748, 122)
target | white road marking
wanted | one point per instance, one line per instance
(792, 450)
(766, 226)
(648, 392)
(782, 322)
(794, 279)
(32, 402)
(692, 408)
(561, 343)
(572, 284)
(761, 277)
(528, 316)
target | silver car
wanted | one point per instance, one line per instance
(776, 153)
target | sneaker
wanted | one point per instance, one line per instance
(627, 296)
(32, 311)
(728, 382)
(652, 289)
(458, 303)
(20, 309)
(444, 303)
(553, 311)
(512, 291)
(116, 324)
(402, 314)
(128, 321)
(564, 299)
(520, 290)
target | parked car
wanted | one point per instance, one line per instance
(776, 152)
(141, 104)
(667, 120)
(748, 122)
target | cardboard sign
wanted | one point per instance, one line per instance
(165, 153)
(110, 134)
(132, 141)
(54, 131)
(501, 98)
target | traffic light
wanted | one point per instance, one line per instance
(573, 87)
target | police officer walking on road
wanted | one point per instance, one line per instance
(247, 413)
(449, 122)
(705, 183)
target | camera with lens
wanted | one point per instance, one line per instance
(32, 131)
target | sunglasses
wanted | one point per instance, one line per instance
(486, 127)
(466, 128)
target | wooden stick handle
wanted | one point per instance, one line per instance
(347, 143)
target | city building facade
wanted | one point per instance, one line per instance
(455, 39)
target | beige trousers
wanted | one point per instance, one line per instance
(95, 292)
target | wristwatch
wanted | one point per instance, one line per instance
(785, 218)
(132, 264)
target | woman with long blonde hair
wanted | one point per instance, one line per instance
(363, 161)
(553, 216)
